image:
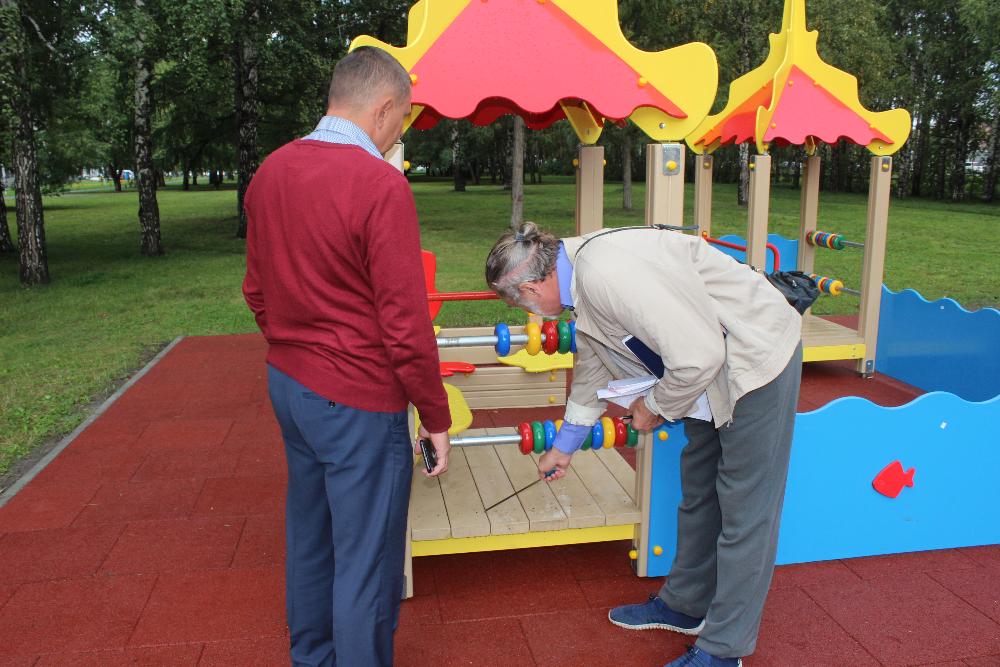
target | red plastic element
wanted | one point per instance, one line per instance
(550, 329)
(892, 479)
(807, 110)
(449, 368)
(430, 271)
(527, 439)
(739, 126)
(491, 61)
(621, 432)
(460, 296)
(735, 246)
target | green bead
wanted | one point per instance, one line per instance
(565, 338)
(538, 435)
(633, 437)
(586, 443)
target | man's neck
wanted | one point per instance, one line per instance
(358, 119)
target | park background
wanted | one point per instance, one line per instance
(129, 131)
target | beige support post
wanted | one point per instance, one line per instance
(395, 156)
(665, 184)
(703, 194)
(590, 189)
(643, 480)
(808, 212)
(874, 262)
(760, 195)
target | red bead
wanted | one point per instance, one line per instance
(550, 329)
(621, 432)
(527, 439)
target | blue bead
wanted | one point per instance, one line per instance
(550, 433)
(572, 336)
(502, 332)
(597, 433)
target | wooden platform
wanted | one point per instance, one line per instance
(823, 340)
(594, 502)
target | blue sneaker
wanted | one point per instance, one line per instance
(654, 614)
(695, 657)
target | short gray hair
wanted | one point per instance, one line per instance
(364, 72)
(520, 256)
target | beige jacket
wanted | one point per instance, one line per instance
(719, 326)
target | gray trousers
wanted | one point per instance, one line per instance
(733, 486)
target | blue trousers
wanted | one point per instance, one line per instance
(349, 474)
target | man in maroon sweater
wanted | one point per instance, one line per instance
(335, 281)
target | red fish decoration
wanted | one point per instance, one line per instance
(449, 368)
(892, 479)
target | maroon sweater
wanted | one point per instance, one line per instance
(335, 280)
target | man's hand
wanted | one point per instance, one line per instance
(442, 447)
(553, 459)
(642, 418)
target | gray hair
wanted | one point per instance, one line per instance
(363, 73)
(520, 256)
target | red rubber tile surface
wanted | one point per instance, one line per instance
(980, 587)
(494, 642)
(262, 542)
(40, 506)
(908, 618)
(825, 572)
(213, 605)
(242, 496)
(173, 545)
(921, 561)
(181, 655)
(73, 615)
(266, 652)
(118, 502)
(57, 553)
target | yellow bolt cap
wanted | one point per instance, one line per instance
(552, 399)
(633, 554)
(657, 550)
(576, 163)
(406, 165)
(413, 79)
(642, 81)
(662, 435)
(671, 165)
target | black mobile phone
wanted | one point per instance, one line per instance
(430, 456)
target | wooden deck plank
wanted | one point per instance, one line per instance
(616, 503)
(581, 510)
(619, 469)
(466, 512)
(508, 517)
(538, 501)
(428, 516)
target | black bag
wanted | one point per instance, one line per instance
(799, 289)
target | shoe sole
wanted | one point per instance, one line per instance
(659, 626)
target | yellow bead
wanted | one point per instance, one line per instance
(534, 333)
(609, 432)
(413, 79)
(559, 424)
(657, 550)
(671, 165)
(633, 554)
(662, 435)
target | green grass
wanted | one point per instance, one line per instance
(108, 309)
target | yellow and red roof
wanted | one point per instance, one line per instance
(546, 60)
(796, 98)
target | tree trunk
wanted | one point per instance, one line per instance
(919, 156)
(145, 174)
(247, 106)
(517, 174)
(34, 263)
(458, 175)
(6, 242)
(957, 184)
(627, 170)
(743, 191)
(186, 183)
(115, 174)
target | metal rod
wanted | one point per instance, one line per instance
(486, 440)
(461, 296)
(474, 341)
(675, 228)
(848, 290)
(852, 244)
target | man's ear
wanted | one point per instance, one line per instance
(383, 111)
(531, 289)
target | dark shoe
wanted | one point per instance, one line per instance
(655, 615)
(695, 657)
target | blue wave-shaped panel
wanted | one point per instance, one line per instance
(831, 510)
(939, 345)
(788, 249)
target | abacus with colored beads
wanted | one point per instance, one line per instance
(832, 286)
(830, 240)
(550, 337)
(538, 436)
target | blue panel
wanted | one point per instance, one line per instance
(831, 510)
(665, 496)
(788, 249)
(939, 346)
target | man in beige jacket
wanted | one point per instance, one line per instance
(725, 348)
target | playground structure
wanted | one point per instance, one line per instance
(467, 59)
